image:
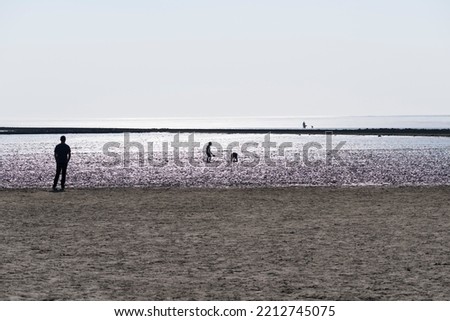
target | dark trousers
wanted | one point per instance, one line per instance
(60, 170)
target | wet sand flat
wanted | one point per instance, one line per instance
(304, 243)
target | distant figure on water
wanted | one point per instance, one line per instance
(208, 153)
(304, 125)
(234, 157)
(62, 158)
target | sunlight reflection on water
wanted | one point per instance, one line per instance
(27, 161)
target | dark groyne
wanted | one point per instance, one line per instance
(361, 131)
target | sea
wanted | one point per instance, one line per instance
(319, 122)
(161, 159)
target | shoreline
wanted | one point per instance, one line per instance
(444, 132)
(220, 188)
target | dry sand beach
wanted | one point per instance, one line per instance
(304, 243)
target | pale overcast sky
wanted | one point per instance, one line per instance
(136, 58)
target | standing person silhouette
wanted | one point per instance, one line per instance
(208, 153)
(62, 157)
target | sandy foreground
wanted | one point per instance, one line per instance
(311, 243)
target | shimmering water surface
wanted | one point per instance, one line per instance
(27, 160)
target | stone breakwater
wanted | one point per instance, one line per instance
(443, 132)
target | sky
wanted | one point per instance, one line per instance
(135, 58)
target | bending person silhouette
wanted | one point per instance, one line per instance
(62, 157)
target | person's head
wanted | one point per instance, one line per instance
(63, 139)
(209, 144)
